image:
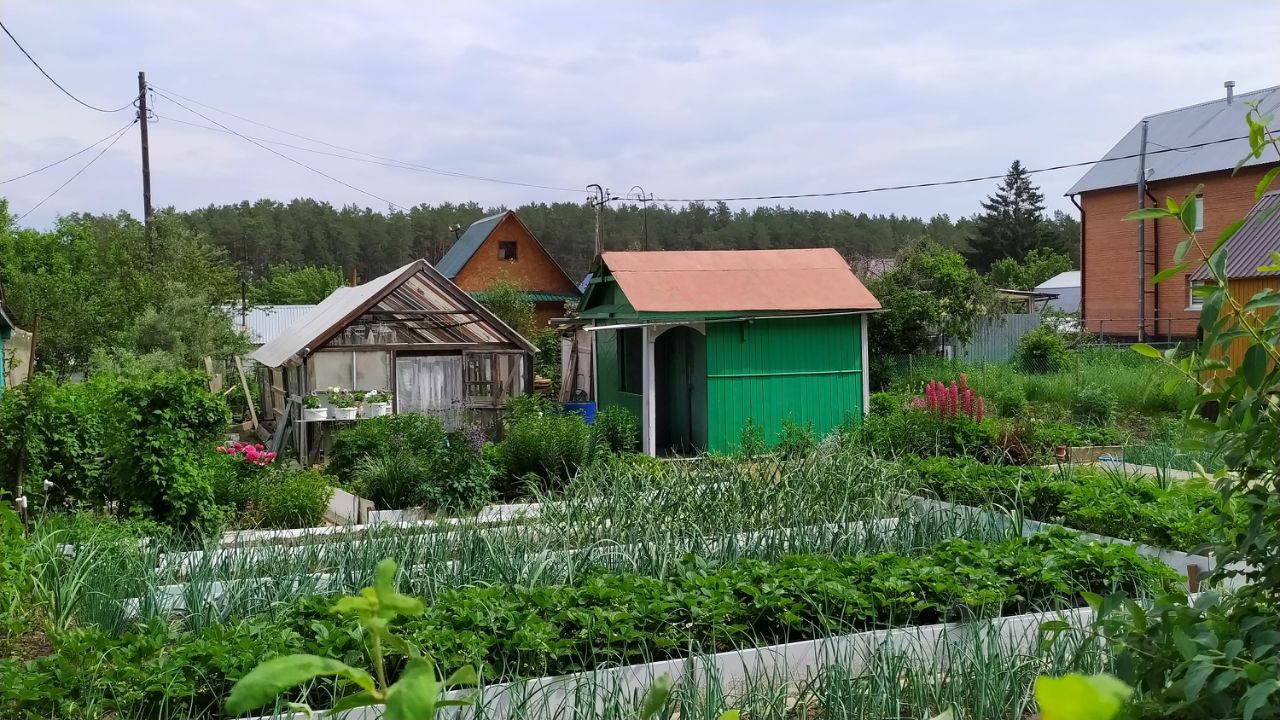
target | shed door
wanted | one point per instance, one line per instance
(429, 383)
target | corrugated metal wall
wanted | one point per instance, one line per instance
(805, 369)
(995, 337)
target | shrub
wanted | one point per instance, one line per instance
(55, 434)
(751, 440)
(616, 430)
(551, 446)
(914, 432)
(376, 436)
(1092, 405)
(293, 498)
(1010, 401)
(796, 440)
(1043, 351)
(522, 407)
(163, 426)
(884, 403)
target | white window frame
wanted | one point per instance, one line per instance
(1199, 201)
(1194, 301)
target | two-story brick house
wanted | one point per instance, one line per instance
(1187, 148)
(501, 247)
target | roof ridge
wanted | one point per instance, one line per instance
(1221, 99)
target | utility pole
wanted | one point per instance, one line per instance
(644, 213)
(597, 201)
(146, 156)
(1142, 236)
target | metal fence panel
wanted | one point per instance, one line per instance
(995, 337)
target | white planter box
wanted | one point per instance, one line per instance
(346, 413)
(315, 414)
(373, 410)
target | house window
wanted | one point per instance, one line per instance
(361, 370)
(507, 250)
(1194, 301)
(630, 359)
(1199, 213)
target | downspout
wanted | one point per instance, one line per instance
(1082, 273)
(1155, 250)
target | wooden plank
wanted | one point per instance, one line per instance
(248, 397)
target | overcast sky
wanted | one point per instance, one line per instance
(688, 100)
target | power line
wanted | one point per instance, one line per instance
(72, 155)
(295, 161)
(87, 165)
(939, 183)
(57, 84)
(382, 158)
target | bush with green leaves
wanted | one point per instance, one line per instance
(918, 432)
(1043, 351)
(55, 434)
(163, 429)
(404, 461)
(885, 403)
(549, 445)
(293, 498)
(751, 442)
(1092, 405)
(1010, 400)
(796, 440)
(616, 430)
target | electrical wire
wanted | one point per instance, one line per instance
(295, 161)
(72, 155)
(57, 84)
(87, 165)
(383, 159)
(940, 183)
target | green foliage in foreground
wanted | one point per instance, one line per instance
(1182, 516)
(603, 619)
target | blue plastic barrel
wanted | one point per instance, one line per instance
(586, 409)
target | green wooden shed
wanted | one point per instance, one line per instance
(697, 343)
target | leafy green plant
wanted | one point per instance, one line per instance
(884, 403)
(552, 446)
(1043, 351)
(1081, 697)
(416, 695)
(163, 426)
(375, 437)
(751, 442)
(796, 440)
(918, 432)
(54, 437)
(1092, 405)
(617, 430)
(290, 498)
(1010, 401)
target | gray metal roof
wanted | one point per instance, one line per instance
(1207, 122)
(467, 245)
(1249, 248)
(1068, 279)
(265, 323)
(408, 289)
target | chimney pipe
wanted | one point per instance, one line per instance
(1230, 85)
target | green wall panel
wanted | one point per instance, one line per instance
(607, 375)
(804, 369)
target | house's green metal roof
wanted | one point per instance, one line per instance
(535, 296)
(467, 245)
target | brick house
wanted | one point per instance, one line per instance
(501, 247)
(1187, 148)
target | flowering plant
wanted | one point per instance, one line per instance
(948, 401)
(340, 398)
(254, 454)
(312, 401)
(377, 396)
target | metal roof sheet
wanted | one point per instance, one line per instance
(5, 322)
(1252, 244)
(467, 245)
(1068, 279)
(738, 280)
(395, 292)
(265, 323)
(1206, 122)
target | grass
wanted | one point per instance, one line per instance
(1136, 383)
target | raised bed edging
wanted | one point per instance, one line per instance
(1188, 565)
(794, 662)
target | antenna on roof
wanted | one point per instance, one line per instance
(1230, 85)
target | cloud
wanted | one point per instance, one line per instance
(703, 100)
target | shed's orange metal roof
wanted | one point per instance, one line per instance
(735, 280)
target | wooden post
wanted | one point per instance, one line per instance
(1193, 578)
(248, 397)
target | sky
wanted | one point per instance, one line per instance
(703, 100)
